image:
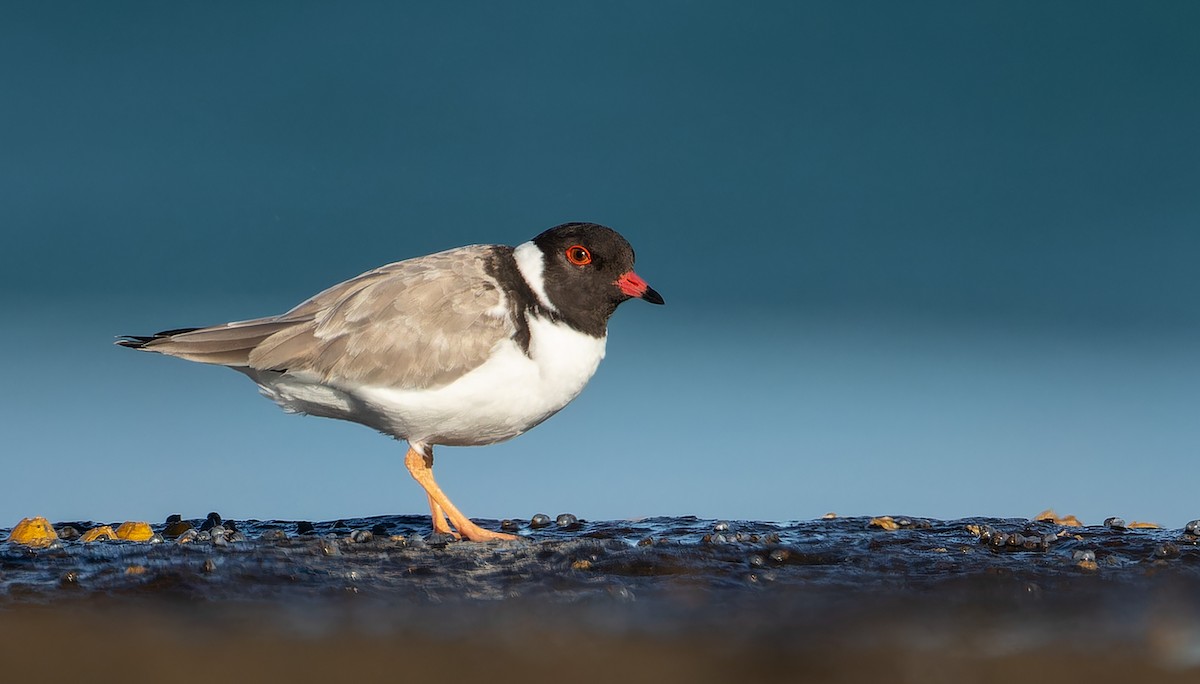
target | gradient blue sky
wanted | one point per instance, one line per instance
(934, 259)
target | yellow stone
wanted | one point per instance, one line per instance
(102, 533)
(35, 532)
(135, 531)
(1089, 565)
(135, 570)
(1049, 515)
(884, 522)
(829, 516)
(1135, 525)
(581, 565)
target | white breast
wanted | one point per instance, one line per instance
(507, 395)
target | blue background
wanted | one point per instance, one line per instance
(925, 258)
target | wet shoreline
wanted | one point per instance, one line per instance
(835, 596)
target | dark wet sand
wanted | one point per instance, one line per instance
(665, 600)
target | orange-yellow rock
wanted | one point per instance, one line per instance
(1143, 526)
(102, 533)
(1049, 515)
(884, 522)
(33, 532)
(134, 531)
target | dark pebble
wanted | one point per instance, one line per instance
(566, 520)
(780, 555)
(539, 521)
(361, 536)
(176, 528)
(188, 536)
(174, 518)
(229, 526)
(329, 547)
(1016, 539)
(1193, 528)
(235, 536)
(304, 527)
(68, 533)
(1166, 550)
(210, 522)
(70, 578)
(645, 541)
(209, 566)
(999, 539)
(341, 524)
(381, 529)
(1114, 523)
(757, 560)
(509, 525)
(440, 539)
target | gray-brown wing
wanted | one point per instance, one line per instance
(413, 324)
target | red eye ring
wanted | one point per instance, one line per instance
(579, 255)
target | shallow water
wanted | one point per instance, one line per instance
(820, 590)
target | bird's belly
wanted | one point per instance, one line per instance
(502, 398)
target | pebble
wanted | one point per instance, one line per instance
(210, 522)
(566, 520)
(539, 521)
(135, 531)
(187, 537)
(381, 529)
(1193, 528)
(34, 532)
(361, 536)
(176, 527)
(1115, 523)
(329, 547)
(102, 533)
(721, 526)
(68, 532)
(1084, 555)
(780, 555)
(509, 525)
(304, 527)
(440, 539)
(756, 560)
(173, 518)
(1166, 550)
(209, 566)
(273, 535)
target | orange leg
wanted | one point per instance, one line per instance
(440, 525)
(420, 466)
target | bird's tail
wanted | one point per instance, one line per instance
(224, 345)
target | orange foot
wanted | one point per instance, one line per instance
(419, 461)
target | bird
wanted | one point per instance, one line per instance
(466, 347)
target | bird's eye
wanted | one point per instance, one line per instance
(579, 255)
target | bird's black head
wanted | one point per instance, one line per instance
(588, 271)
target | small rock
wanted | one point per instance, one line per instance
(1115, 523)
(135, 531)
(1049, 515)
(884, 523)
(304, 527)
(273, 535)
(509, 525)
(440, 539)
(102, 533)
(68, 532)
(329, 547)
(583, 564)
(721, 526)
(780, 555)
(381, 529)
(566, 520)
(173, 518)
(210, 522)
(1084, 555)
(135, 570)
(756, 560)
(209, 566)
(539, 521)
(176, 528)
(187, 537)
(1139, 525)
(69, 578)
(33, 532)
(1166, 550)
(361, 536)
(645, 541)
(829, 516)
(1193, 528)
